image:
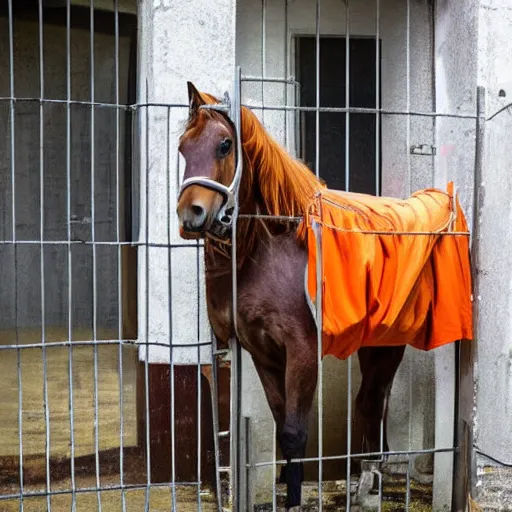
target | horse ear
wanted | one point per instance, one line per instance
(194, 97)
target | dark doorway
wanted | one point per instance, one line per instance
(332, 129)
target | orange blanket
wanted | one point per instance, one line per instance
(382, 289)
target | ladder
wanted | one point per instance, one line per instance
(222, 357)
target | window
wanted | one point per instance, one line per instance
(362, 144)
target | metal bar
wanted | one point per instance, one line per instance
(408, 95)
(358, 456)
(97, 243)
(378, 193)
(499, 111)
(271, 79)
(94, 261)
(274, 466)
(246, 216)
(247, 426)
(70, 256)
(319, 266)
(360, 110)
(377, 100)
(41, 232)
(84, 490)
(347, 95)
(408, 485)
(342, 110)
(317, 90)
(263, 56)
(170, 308)
(492, 458)
(15, 248)
(215, 413)
(119, 258)
(319, 331)
(234, 428)
(91, 343)
(433, 103)
(381, 446)
(347, 188)
(242, 216)
(98, 104)
(243, 504)
(146, 340)
(198, 333)
(235, 347)
(285, 85)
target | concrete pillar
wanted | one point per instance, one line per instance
(179, 41)
(456, 73)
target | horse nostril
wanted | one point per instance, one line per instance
(197, 210)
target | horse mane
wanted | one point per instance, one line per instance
(286, 184)
(273, 182)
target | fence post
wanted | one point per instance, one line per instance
(464, 465)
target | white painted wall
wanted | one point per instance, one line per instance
(473, 47)
(411, 420)
(177, 43)
(494, 385)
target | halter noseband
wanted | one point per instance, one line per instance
(223, 221)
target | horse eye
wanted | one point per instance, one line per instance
(225, 148)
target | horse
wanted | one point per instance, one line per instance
(274, 322)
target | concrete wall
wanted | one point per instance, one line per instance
(494, 385)
(411, 421)
(27, 177)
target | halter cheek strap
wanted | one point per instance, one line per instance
(227, 211)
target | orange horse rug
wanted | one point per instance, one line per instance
(390, 273)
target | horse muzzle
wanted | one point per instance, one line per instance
(195, 220)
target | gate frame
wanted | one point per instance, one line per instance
(464, 457)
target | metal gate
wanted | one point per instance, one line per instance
(462, 449)
(108, 249)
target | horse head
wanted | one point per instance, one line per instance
(209, 146)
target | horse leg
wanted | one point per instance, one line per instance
(378, 368)
(273, 381)
(300, 385)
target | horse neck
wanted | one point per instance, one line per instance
(218, 255)
(273, 183)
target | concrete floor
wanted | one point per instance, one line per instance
(33, 413)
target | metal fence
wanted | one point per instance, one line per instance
(128, 116)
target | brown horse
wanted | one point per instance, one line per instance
(274, 322)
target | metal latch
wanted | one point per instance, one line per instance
(423, 149)
(74, 219)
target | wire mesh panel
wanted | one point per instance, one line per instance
(358, 124)
(116, 396)
(80, 428)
